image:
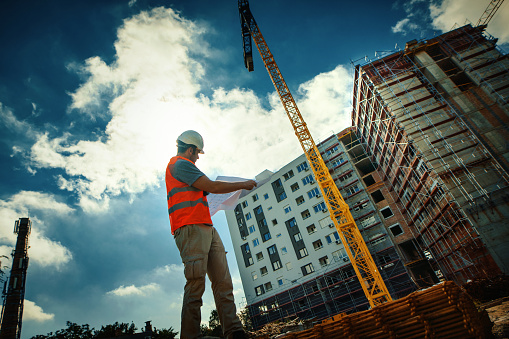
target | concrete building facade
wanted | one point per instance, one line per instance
(433, 119)
(290, 257)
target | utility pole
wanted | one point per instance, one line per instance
(14, 289)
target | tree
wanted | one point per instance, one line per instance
(114, 330)
(214, 329)
(169, 333)
(245, 319)
(215, 325)
(73, 331)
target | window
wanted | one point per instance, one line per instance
(282, 196)
(255, 197)
(248, 216)
(305, 214)
(276, 265)
(244, 204)
(264, 270)
(317, 244)
(274, 222)
(324, 261)
(396, 230)
(361, 205)
(368, 221)
(311, 229)
(332, 151)
(256, 242)
(284, 250)
(277, 183)
(333, 237)
(339, 255)
(262, 223)
(288, 266)
(278, 235)
(303, 252)
(319, 207)
(280, 281)
(268, 286)
(259, 256)
(299, 200)
(302, 167)
(267, 236)
(386, 212)
(313, 193)
(265, 196)
(250, 261)
(258, 210)
(272, 249)
(346, 176)
(351, 189)
(251, 229)
(377, 196)
(297, 237)
(308, 269)
(292, 222)
(259, 290)
(254, 275)
(287, 209)
(294, 187)
(337, 162)
(288, 175)
(308, 180)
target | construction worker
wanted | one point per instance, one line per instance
(200, 246)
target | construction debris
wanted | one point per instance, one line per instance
(441, 311)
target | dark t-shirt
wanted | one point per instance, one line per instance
(186, 172)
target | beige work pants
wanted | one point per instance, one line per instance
(203, 253)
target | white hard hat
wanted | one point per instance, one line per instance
(192, 138)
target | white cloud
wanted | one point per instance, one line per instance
(399, 27)
(12, 123)
(43, 251)
(154, 86)
(451, 12)
(32, 312)
(131, 290)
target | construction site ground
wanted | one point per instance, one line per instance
(498, 311)
(442, 311)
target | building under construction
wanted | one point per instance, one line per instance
(434, 120)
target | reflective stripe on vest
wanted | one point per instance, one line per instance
(186, 204)
(179, 190)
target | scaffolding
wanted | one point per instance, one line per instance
(428, 155)
(331, 292)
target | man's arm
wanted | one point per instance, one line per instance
(205, 184)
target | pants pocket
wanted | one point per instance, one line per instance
(194, 270)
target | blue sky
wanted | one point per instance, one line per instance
(93, 95)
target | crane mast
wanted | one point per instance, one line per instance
(367, 272)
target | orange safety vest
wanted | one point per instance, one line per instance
(186, 205)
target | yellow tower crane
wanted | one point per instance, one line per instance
(362, 262)
(490, 11)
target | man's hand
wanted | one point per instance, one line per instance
(218, 187)
(250, 184)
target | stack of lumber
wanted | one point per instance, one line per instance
(441, 311)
